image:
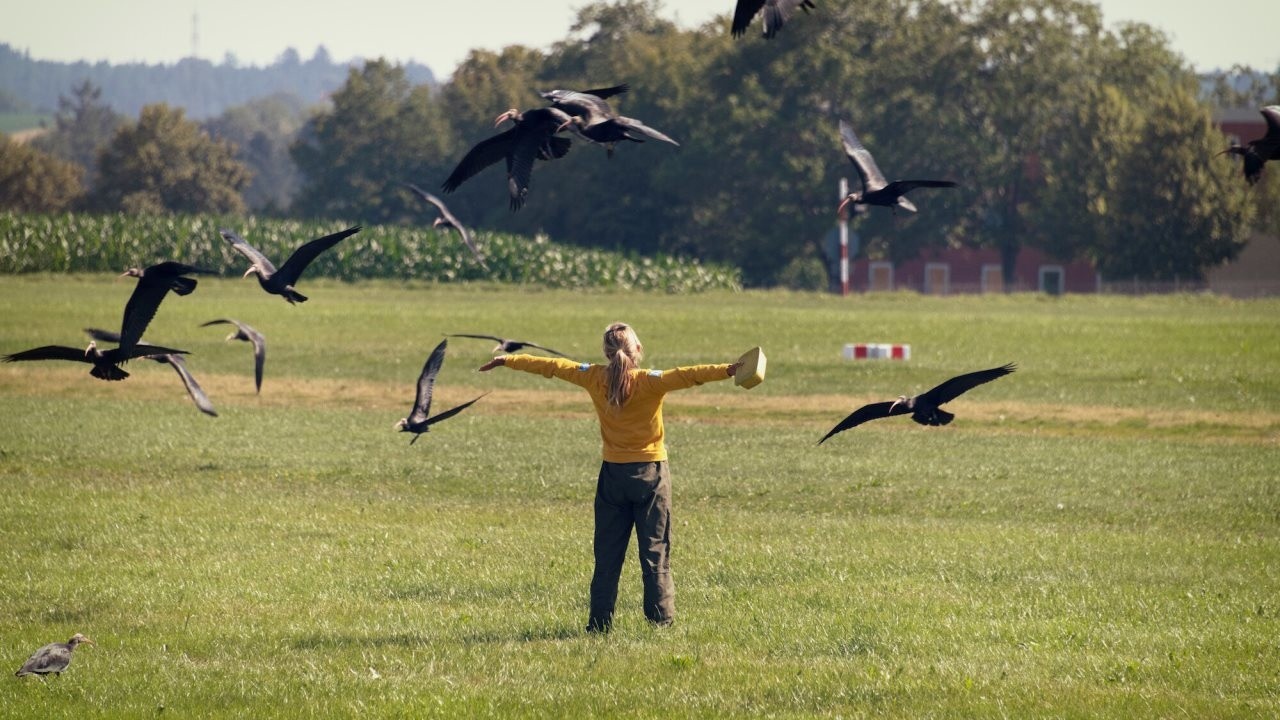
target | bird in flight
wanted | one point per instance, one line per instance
(418, 421)
(280, 282)
(533, 137)
(508, 346)
(447, 220)
(194, 391)
(776, 14)
(249, 335)
(1257, 152)
(592, 119)
(875, 189)
(925, 407)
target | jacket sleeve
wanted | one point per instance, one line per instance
(562, 368)
(686, 377)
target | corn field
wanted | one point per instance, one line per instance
(110, 243)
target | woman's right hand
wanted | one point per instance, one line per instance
(496, 362)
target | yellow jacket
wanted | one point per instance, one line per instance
(633, 432)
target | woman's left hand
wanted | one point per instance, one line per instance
(733, 369)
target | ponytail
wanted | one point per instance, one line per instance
(622, 348)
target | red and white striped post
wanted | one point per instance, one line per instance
(844, 241)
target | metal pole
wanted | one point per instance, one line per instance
(844, 241)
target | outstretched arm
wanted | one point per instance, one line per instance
(562, 368)
(687, 377)
(496, 362)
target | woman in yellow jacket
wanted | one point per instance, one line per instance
(634, 485)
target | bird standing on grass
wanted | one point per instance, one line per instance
(418, 422)
(52, 658)
(249, 335)
(280, 282)
(875, 189)
(1258, 152)
(924, 408)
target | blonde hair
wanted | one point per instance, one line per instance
(623, 349)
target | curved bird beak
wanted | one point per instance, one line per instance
(400, 424)
(92, 349)
(901, 399)
(248, 272)
(564, 125)
(848, 200)
(508, 115)
(87, 641)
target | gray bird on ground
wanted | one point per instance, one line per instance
(249, 335)
(52, 658)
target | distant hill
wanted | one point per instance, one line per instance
(202, 88)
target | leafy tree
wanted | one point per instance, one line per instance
(82, 126)
(164, 162)
(36, 182)
(381, 132)
(262, 131)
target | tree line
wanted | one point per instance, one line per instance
(1064, 135)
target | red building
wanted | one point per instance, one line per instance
(945, 271)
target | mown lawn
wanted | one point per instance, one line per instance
(1097, 535)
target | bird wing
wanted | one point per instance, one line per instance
(260, 261)
(872, 178)
(478, 337)
(102, 335)
(898, 187)
(777, 13)
(258, 340)
(633, 124)
(587, 105)
(49, 352)
(482, 155)
(437, 202)
(545, 349)
(606, 93)
(451, 220)
(303, 256)
(141, 350)
(427, 381)
(193, 388)
(452, 411)
(743, 13)
(959, 385)
(1268, 146)
(874, 411)
(53, 657)
(528, 143)
(141, 308)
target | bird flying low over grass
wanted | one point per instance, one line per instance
(194, 391)
(418, 421)
(925, 407)
(1257, 152)
(249, 335)
(776, 14)
(533, 137)
(52, 658)
(154, 283)
(875, 189)
(447, 220)
(508, 346)
(280, 282)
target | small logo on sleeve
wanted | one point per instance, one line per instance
(584, 367)
(655, 373)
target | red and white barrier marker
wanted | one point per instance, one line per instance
(876, 351)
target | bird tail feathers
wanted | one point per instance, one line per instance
(935, 418)
(183, 286)
(108, 372)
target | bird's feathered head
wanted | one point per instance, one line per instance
(513, 114)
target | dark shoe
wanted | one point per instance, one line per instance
(599, 625)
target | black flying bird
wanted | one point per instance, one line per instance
(194, 391)
(280, 282)
(508, 346)
(1258, 152)
(776, 14)
(925, 407)
(447, 220)
(418, 422)
(249, 335)
(594, 120)
(533, 137)
(875, 189)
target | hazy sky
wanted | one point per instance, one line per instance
(1209, 33)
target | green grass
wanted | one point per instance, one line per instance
(1097, 535)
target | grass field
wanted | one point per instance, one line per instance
(1097, 535)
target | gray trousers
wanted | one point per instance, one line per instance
(633, 495)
